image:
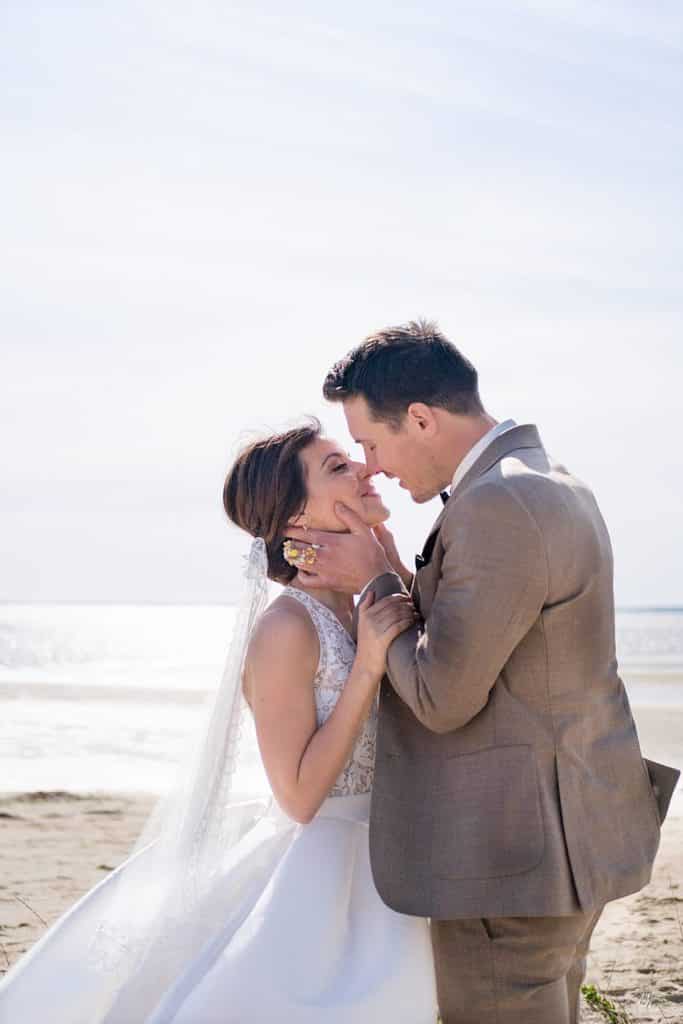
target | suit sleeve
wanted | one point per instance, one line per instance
(383, 585)
(492, 587)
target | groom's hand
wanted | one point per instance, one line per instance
(344, 561)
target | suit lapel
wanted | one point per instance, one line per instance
(425, 555)
(525, 436)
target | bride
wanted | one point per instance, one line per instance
(232, 910)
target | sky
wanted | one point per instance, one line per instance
(205, 205)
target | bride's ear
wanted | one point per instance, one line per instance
(300, 520)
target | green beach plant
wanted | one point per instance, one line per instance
(604, 1006)
(601, 1004)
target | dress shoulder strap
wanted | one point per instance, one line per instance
(316, 611)
(315, 608)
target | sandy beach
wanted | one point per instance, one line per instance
(55, 846)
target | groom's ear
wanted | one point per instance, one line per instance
(421, 418)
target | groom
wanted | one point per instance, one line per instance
(510, 798)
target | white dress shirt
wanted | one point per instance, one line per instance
(476, 450)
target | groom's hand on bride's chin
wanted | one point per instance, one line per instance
(344, 561)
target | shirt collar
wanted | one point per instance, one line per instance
(476, 450)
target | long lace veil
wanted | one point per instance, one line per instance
(174, 893)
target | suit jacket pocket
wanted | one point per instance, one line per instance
(487, 814)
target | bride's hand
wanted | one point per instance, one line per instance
(379, 623)
(386, 539)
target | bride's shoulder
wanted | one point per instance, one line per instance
(284, 629)
(283, 650)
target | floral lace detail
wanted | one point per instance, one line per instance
(337, 653)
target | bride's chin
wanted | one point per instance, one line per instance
(376, 516)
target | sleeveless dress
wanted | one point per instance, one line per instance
(317, 944)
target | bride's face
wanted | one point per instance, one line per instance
(331, 475)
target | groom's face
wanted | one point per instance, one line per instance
(404, 453)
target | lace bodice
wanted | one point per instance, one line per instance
(337, 652)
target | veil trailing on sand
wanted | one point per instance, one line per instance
(168, 900)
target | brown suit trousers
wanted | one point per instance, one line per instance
(521, 970)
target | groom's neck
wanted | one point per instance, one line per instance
(459, 437)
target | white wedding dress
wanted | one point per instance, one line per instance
(313, 941)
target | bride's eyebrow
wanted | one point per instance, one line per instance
(331, 456)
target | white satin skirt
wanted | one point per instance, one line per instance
(319, 944)
(315, 942)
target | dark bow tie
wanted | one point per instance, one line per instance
(422, 559)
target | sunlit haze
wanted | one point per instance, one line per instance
(205, 205)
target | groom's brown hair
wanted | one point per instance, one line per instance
(414, 362)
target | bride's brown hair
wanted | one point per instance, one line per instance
(266, 488)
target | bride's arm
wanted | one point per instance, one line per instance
(301, 760)
(386, 539)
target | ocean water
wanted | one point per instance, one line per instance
(105, 697)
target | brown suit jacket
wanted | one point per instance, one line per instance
(509, 778)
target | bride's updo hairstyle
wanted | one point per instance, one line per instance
(266, 488)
